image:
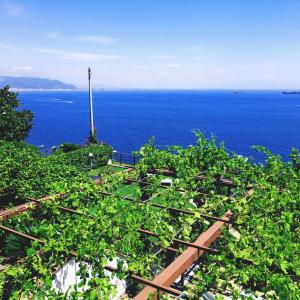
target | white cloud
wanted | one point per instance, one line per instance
(257, 66)
(97, 39)
(79, 56)
(174, 66)
(142, 67)
(5, 46)
(22, 68)
(164, 57)
(55, 35)
(12, 9)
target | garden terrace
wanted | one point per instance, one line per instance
(154, 221)
(149, 234)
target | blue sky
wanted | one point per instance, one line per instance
(154, 44)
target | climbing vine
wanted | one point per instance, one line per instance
(255, 252)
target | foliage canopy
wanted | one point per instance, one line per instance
(14, 124)
(256, 259)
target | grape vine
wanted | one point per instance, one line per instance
(255, 253)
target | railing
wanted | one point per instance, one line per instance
(118, 157)
(49, 151)
(125, 158)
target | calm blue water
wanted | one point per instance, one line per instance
(126, 119)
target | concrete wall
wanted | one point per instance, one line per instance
(66, 278)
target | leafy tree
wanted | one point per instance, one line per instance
(92, 139)
(14, 124)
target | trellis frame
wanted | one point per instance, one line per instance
(162, 283)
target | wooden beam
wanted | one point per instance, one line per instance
(191, 255)
(19, 209)
(33, 204)
(21, 234)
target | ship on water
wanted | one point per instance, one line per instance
(291, 92)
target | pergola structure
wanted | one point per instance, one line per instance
(163, 282)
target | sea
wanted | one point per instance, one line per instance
(127, 119)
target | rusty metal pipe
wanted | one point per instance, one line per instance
(147, 282)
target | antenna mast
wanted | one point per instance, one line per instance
(92, 127)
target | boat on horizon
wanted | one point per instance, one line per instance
(290, 92)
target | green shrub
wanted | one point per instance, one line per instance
(68, 147)
(80, 158)
(24, 173)
(15, 157)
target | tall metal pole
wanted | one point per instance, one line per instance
(91, 104)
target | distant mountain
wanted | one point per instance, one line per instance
(32, 83)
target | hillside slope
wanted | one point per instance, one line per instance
(34, 83)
